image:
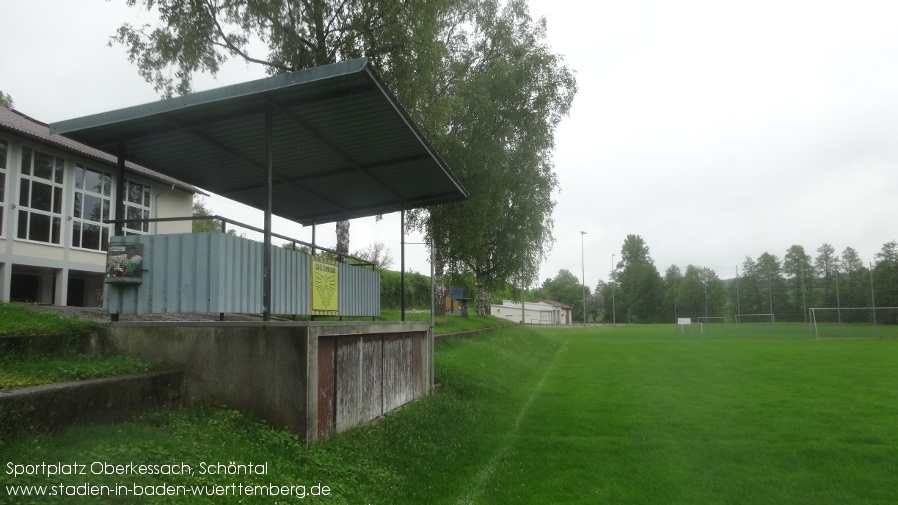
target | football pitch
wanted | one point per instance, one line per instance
(650, 414)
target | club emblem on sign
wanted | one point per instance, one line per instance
(325, 292)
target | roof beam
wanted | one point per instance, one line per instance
(245, 159)
(333, 147)
(329, 173)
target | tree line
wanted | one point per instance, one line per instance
(785, 287)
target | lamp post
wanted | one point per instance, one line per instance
(613, 313)
(583, 274)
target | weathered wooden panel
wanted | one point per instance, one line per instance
(326, 385)
(416, 368)
(398, 389)
(349, 384)
(372, 405)
(376, 374)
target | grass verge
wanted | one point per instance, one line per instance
(42, 348)
(20, 321)
(20, 370)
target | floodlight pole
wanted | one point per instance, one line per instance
(872, 294)
(770, 293)
(613, 311)
(583, 274)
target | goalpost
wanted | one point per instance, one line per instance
(755, 318)
(711, 319)
(861, 320)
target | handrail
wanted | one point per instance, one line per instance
(225, 220)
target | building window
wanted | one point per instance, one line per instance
(137, 206)
(93, 191)
(4, 149)
(40, 197)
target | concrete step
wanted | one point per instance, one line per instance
(98, 401)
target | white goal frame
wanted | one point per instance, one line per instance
(771, 316)
(813, 314)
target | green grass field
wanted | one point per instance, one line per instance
(638, 415)
(629, 414)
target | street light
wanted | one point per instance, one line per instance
(613, 313)
(583, 273)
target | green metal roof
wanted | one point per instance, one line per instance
(342, 145)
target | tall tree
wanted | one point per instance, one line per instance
(827, 266)
(6, 100)
(885, 280)
(692, 294)
(640, 283)
(595, 303)
(673, 276)
(799, 274)
(854, 285)
(406, 40)
(376, 253)
(633, 251)
(201, 211)
(716, 302)
(751, 288)
(567, 289)
(770, 270)
(506, 94)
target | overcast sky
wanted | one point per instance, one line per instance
(714, 130)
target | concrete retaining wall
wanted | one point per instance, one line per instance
(105, 400)
(271, 369)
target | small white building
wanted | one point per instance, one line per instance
(55, 194)
(541, 312)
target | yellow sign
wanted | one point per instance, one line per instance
(325, 294)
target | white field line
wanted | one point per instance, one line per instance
(475, 489)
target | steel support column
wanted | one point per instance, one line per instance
(402, 265)
(430, 337)
(266, 248)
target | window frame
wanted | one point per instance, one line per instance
(4, 181)
(80, 222)
(145, 208)
(26, 212)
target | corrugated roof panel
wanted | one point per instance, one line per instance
(341, 145)
(16, 121)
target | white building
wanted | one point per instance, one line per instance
(541, 312)
(55, 194)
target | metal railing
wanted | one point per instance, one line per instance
(225, 221)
